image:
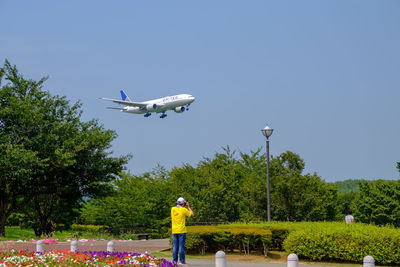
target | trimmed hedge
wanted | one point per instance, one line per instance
(331, 241)
(345, 242)
(244, 238)
(335, 241)
(279, 230)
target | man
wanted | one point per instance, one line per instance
(349, 218)
(178, 221)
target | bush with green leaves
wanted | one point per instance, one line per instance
(244, 238)
(378, 202)
(345, 242)
(89, 228)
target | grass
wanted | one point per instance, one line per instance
(14, 233)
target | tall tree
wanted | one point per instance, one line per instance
(72, 157)
(378, 202)
(213, 187)
(253, 206)
(297, 197)
(138, 201)
(17, 166)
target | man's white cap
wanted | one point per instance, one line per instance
(181, 201)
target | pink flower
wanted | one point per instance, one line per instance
(50, 241)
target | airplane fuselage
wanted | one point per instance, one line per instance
(161, 105)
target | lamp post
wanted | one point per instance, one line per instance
(267, 131)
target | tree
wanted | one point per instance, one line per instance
(138, 201)
(378, 202)
(70, 158)
(212, 188)
(348, 192)
(348, 186)
(222, 188)
(297, 197)
(253, 206)
(17, 166)
(17, 122)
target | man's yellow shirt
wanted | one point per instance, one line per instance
(178, 219)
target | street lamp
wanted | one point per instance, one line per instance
(267, 131)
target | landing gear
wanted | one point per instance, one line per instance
(187, 107)
(147, 114)
(163, 115)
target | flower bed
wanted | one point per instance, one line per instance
(50, 241)
(85, 258)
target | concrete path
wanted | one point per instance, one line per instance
(208, 263)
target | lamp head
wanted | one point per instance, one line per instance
(267, 131)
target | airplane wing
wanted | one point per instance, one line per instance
(126, 103)
(115, 108)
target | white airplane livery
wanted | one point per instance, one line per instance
(177, 103)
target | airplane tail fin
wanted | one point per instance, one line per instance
(124, 96)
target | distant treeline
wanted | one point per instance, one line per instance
(349, 185)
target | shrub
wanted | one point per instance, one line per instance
(89, 228)
(128, 235)
(279, 235)
(212, 238)
(346, 242)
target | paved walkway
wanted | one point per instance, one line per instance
(208, 263)
(204, 263)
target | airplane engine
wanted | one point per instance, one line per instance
(179, 109)
(151, 107)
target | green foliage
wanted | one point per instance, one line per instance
(212, 238)
(348, 191)
(335, 241)
(297, 197)
(137, 202)
(89, 228)
(345, 242)
(279, 230)
(213, 188)
(378, 202)
(348, 186)
(220, 189)
(49, 158)
(16, 219)
(129, 235)
(279, 234)
(15, 233)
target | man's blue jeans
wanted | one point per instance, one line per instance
(179, 241)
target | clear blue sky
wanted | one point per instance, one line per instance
(324, 74)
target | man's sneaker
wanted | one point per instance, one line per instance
(183, 264)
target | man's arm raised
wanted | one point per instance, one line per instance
(188, 207)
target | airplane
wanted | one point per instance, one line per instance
(177, 103)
